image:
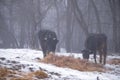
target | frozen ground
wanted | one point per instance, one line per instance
(25, 60)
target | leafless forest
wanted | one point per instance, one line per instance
(72, 20)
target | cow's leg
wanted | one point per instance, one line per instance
(104, 59)
(44, 50)
(104, 55)
(44, 53)
(95, 56)
(100, 53)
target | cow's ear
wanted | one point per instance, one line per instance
(54, 38)
(45, 38)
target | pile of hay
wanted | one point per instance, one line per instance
(73, 63)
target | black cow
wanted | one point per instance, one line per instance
(48, 41)
(93, 43)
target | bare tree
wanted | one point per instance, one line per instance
(97, 16)
(7, 37)
(72, 20)
(115, 6)
(79, 16)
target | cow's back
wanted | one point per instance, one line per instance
(94, 41)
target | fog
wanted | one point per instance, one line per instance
(72, 20)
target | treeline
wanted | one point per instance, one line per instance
(72, 20)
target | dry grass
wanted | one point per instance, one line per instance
(7, 73)
(40, 74)
(30, 76)
(71, 62)
(114, 61)
(20, 79)
(3, 72)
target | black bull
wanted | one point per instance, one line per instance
(93, 43)
(48, 41)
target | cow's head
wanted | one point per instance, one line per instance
(50, 41)
(86, 53)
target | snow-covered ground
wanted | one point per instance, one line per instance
(11, 58)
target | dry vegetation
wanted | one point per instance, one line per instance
(40, 74)
(60, 61)
(71, 62)
(3, 72)
(20, 79)
(6, 73)
(114, 61)
(30, 76)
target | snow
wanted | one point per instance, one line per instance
(28, 57)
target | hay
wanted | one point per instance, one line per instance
(114, 61)
(3, 72)
(31, 75)
(73, 63)
(40, 74)
(16, 75)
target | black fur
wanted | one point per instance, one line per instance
(93, 43)
(48, 41)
